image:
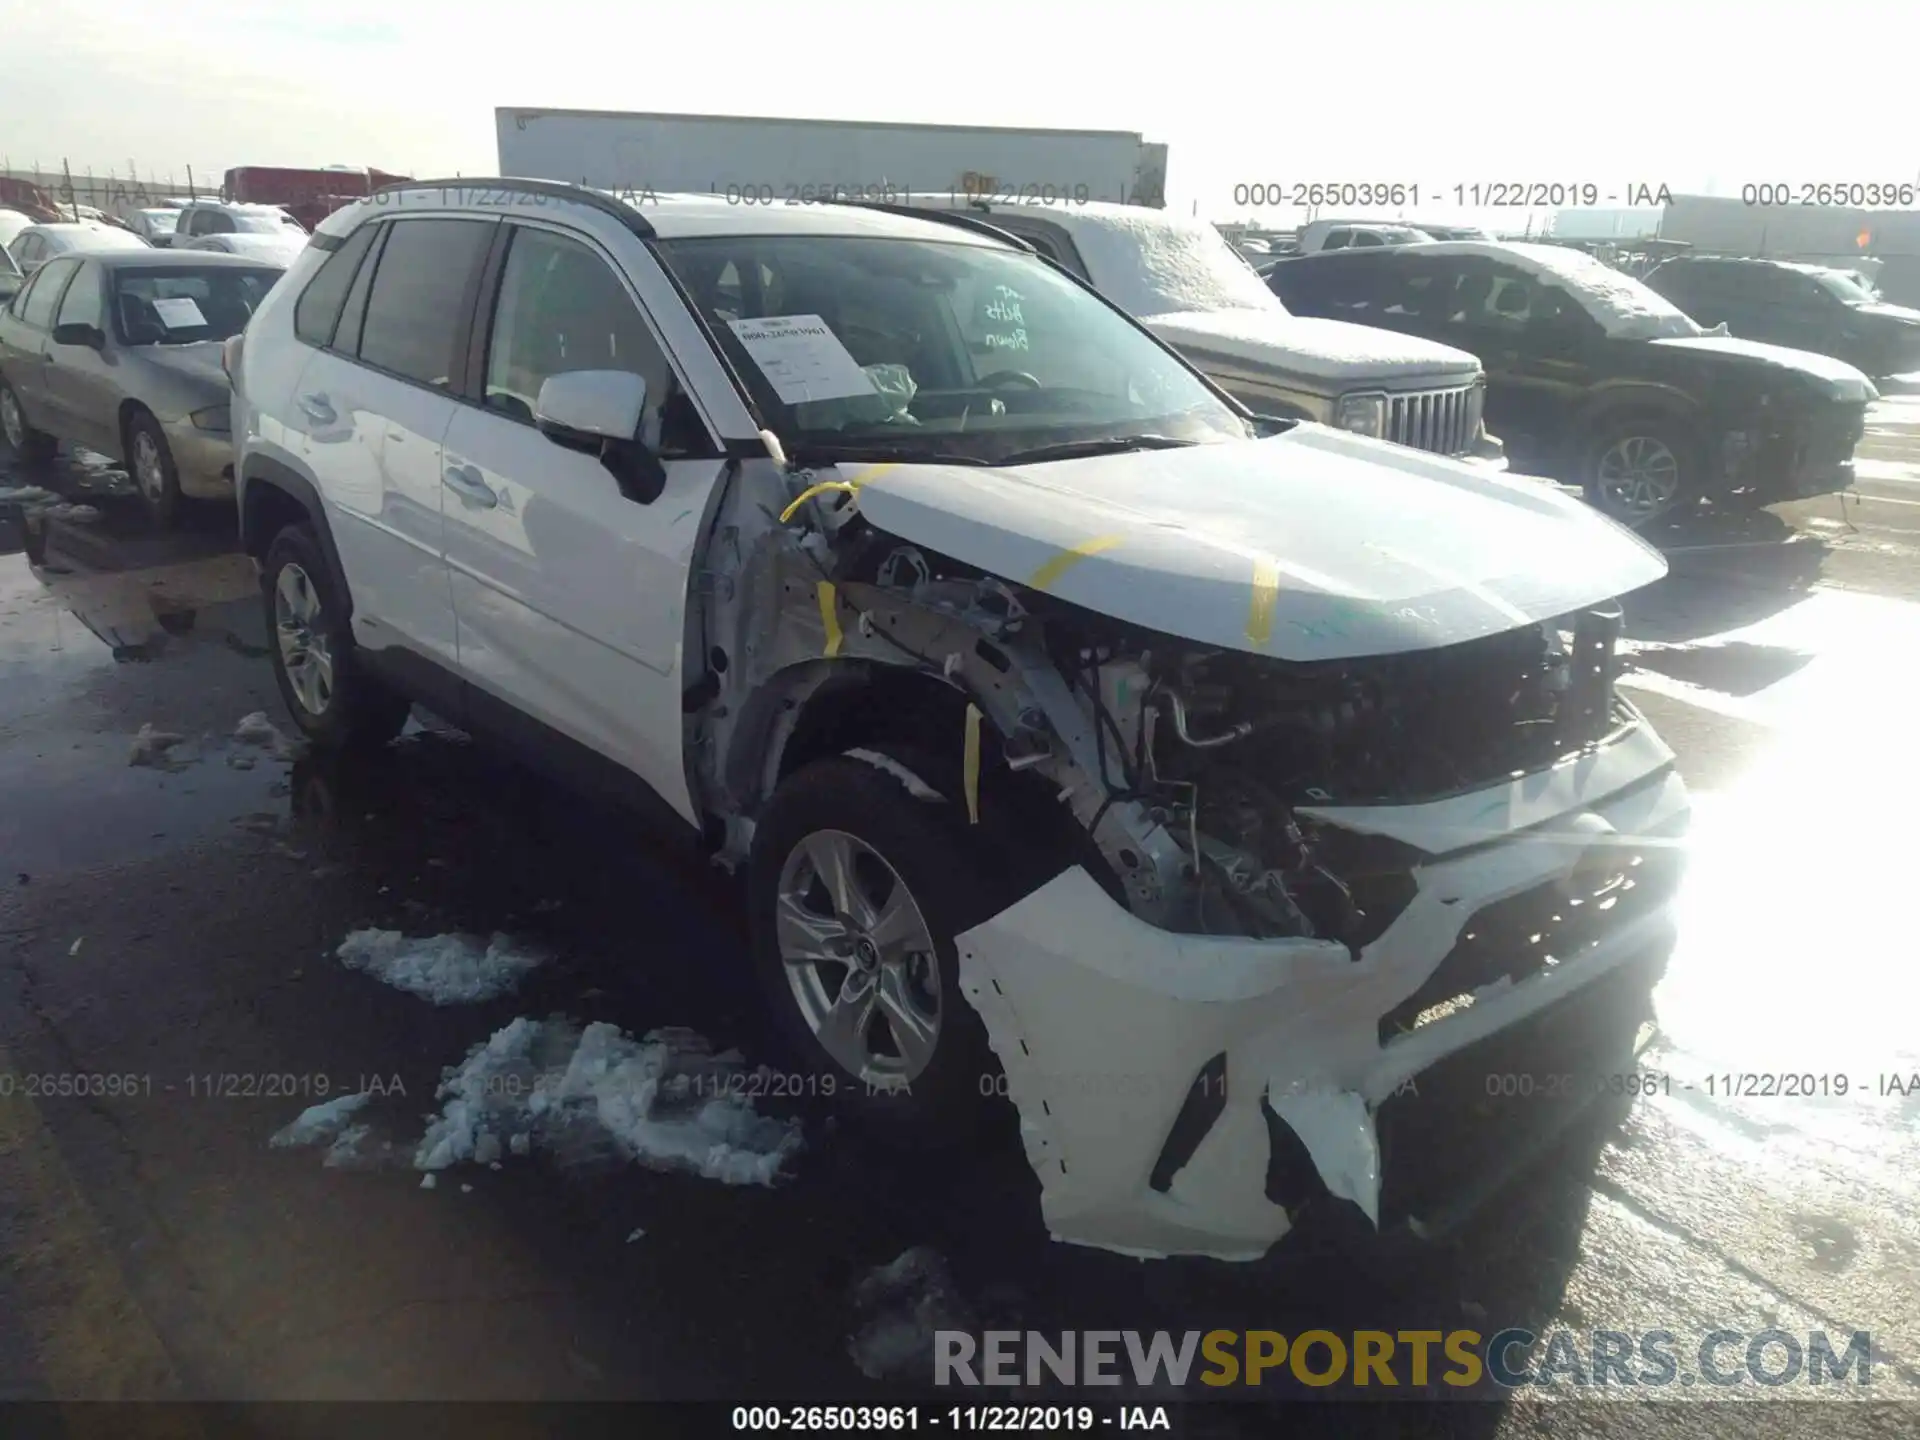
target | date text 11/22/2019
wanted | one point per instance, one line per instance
(880, 1419)
(1477, 195)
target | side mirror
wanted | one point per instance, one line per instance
(598, 412)
(90, 336)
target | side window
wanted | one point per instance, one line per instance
(1367, 237)
(353, 318)
(18, 309)
(29, 249)
(562, 308)
(82, 305)
(316, 314)
(1345, 287)
(216, 222)
(1337, 239)
(414, 309)
(38, 311)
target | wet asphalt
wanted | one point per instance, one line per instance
(176, 926)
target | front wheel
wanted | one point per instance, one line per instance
(336, 704)
(858, 885)
(1637, 469)
(154, 473)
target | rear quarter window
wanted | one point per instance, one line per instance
(316, 314)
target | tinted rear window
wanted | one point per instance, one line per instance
(414, 313)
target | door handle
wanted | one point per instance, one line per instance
(465, 482)
(318, 409)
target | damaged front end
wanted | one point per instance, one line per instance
(1332, 892)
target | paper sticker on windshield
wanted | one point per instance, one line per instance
(802, 358)
(179, 313)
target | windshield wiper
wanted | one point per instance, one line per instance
(1086, 449)
(809, 452)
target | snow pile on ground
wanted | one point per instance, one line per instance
(666, 1101)
(27, 494)
(256, 729)
(157, 749)
(320, 1122)
(452, 969)
(901, 1305)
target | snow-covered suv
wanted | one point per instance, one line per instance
(1232, 797)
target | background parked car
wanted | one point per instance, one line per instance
(1597, 380)
(120, 351)
(1184, 281)
(12, 222)
(35, 245)
(274, 249)
(155, 224)
(11, 280)
(1318, 235)
(1812, 307)
(215, 217)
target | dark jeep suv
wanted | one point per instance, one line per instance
(1594, 379)
(1813, 307)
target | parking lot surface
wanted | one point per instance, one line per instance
(169, 928)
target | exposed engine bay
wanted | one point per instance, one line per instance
(1224, 748)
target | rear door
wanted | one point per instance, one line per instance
(28, 339)
(376, 404)
(570, 596)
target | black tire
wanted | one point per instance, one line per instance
(150, 464)
(1648, 435)
(957, 880)
(32, 445)
(352, 710)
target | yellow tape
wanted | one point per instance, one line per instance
(829, 615)
(1266, 589)
(970, 765)
(1051, 572)
(850, 487)
(812, 490)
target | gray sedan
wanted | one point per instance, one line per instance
(120, 352)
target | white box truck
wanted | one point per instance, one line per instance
(756, 160)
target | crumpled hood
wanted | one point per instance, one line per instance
(1311, 545)
(1323, 349)
(1846, 382)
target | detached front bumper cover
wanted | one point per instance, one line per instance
(1102, 1022)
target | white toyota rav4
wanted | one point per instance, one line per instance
(1245, 801)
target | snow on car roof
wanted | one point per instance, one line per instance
(1148, 262)
(1624, 307)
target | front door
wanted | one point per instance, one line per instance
(84, 384)
(571, 598)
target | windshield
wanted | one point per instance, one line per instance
(161, 221)
(1151, 263)
(1844, 286)
(1624, 307)
(108, 237)
(931, 348)
(264, 222)
(183, 305)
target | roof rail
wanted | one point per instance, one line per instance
(600, 200)
(943, 217)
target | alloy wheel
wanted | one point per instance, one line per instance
(1638, 477)
(306, 653)
(859, 958)
(147, 469)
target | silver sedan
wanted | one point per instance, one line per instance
(120, 352)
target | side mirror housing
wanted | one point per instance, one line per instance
(598, 412)
(90, 336)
